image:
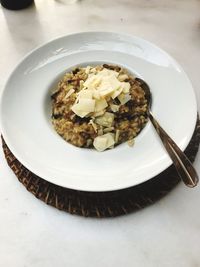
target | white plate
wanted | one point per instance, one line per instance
(25, 112)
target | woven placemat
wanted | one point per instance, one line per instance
(101, 204)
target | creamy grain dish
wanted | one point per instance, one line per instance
(99, 107)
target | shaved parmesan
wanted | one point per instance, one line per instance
(124, 98)
(78, 112)
(93, 125)
(85, 94)
(131, 142)
(107, 72)
(104, 141)
(105, 91)
(96, 95)
(92, 82)
(99, 113)
(100, 143)
(122, 77)
(125, 87)
(116, 93)
(71, 91)
(83, 107)
(117, 135)
(100, 105)
(87, 105)
(98, 89)
(105, 120)
(114, 108)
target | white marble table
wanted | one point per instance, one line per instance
(166, 234)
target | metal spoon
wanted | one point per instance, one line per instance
(183, 165)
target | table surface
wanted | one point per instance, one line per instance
(164, 234)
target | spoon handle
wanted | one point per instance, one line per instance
(183, 165)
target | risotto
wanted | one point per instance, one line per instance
(99, 107)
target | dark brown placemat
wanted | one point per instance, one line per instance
(101, 204)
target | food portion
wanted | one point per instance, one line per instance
(99, 107)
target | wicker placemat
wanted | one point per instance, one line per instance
(101, 204)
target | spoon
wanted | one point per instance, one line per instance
(181, 162)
